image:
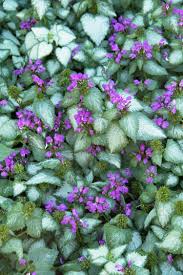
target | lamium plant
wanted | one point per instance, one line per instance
(91, 137)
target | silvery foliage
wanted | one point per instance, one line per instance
(155, 229)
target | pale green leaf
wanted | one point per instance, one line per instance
(44, 109)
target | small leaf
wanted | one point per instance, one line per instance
(37, 146)
(172, 242)
(173, 152)
(8, 128)
(41, 7)
(13, 245)
(153, 68)
(164, 212)
(168, 269)
(116, 138)
(5, 151)
(62, 35)
(113, 159)
(136, 259)
(176, 57)
(63, 55)
(44, 177)
(148, 5)
(100, 124)
(82, 142)
(96, 27)
(129, 124)
(44, 109)
(93, 100)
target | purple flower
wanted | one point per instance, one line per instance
(119, 268)
(147, 82)
(101, 242)
(3, 102)
(144, 154)
(128, 209)
(37, 80)
(73, 220)
(165, 101)
(27, 119)
(97, 205)
(116, 186)
(137, 82)
(94, 149)
(78, 194)
(61, 207)
(67, 124)
(50, 206)
(141, 48)
(151, 172)
(122, 103)
(24, 152)
(78, 78)
(22, 262)
(161, 122)
(83, 118)
(170, 258)
(28, 24)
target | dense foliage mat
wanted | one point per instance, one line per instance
(91, 137)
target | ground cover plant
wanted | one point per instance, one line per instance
(91, 137)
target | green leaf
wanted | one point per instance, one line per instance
(151, 215)
(44, 109)
(168, 269)
(148, 130)
(158, 231)
(8, 128)
(153, 68)
(100, 125)
(93, 100)
(173, 152)
(13, 245)
(164, 212)
(135, 242)
(48, 223)
(82, 142)
(136, 259)
(40, 6)
(92, 26)
(70, 99)
(10, 5)
(113, 159)
(18, 188)
(44, 177)
(130, 124)
(153, 37)
(34, 224)
(64, 190)
(116, 138)
(176, 57)
(37, 146)
(148, 5)
(4, 54)
(63, 55)
(15, 218)
(172, 242)
(91, 225)
(5, 151)
(98, 255)
(43, 257)
(116, 236)
(62, 35)
(37, 48)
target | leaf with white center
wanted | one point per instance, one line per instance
(71, 113)
(118, 251)
(53, 66)
(116, 236)
(153, 68)
(153, 37)
(37, 49)
(148, 5)
(50, 163)
(172, 242)
(168, 269)
(4, 151)
(4, 54)
(100, 124)
(41, 33)
(62, 35)
(93, 100)
(15, 218)
(13, 245)
(135, 242)
(63, 55)
(95, 26)
(8, 128)
(44, 109)
(141, 271)
(91, 225)
(43, 256)
(129, 124)
(34, 224)
(82, 142)
(44, 177)
(172, 180)
(116, 138)
(148, 130)
(18, 188)
(98, 255)
(177, 222)
(158, 231)
(10, 5)
(41, 6)
(164, 212)
(179, 105)
(173, 152)
(37, 145)
(113, 159)
(105, 8)
(48, 223)
(33, 194)
(136, 259)
(151, 215)
(176, 57)
(83, 159)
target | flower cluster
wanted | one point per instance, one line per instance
(28, 24)
(80, 81)
(54, 145)
(141, 49)
(73, 220)
(151, 172)
(84, 120)
(97, 205)
(122, 103)
(119, 26)
(14, 163)
(28, 120)
(161, 122)
(165, 101)
(116, 186)
(94, 149)
(144, 154)
(78, 195)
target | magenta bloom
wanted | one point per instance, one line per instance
(50, 206)
(78, 194)
(170, 258)
(161, 122)
(27, 119)
(77, 78)
(94, 149)
(144, 154)
(3, 102)
(151, 173)
(73, 220)
(22, 262)
(83, 118)
(141, 48)
(97, 205)
(28, 24)
(128, 209)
